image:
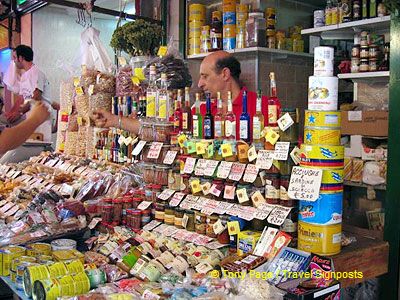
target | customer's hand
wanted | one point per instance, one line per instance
(39, 113)
(103, 118)
(13, 116)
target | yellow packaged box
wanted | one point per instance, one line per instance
(247, 241)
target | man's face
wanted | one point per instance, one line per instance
(210, 81)
(17, 60)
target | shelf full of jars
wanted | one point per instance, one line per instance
(238, 26)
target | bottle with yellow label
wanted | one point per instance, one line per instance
(258, 120)
(151, 94)
(162, 99)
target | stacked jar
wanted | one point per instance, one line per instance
(205, 39)
(229, 24)
(364, 54)
(322, 218)
(197, 18)
(241, 18)
(270, 15)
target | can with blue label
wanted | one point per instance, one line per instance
(229, 43)
(327, 210)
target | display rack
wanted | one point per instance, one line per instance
(367, 75)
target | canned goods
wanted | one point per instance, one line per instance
(197, 12)
(96, 277)
(319, 18)
(67, 286)
(46, 289)
(37, 249)
(355, 51)
(329, 119)
(81, 283)
(326, 210)
(31, 274)
(195, 33)
(229, 43)
(19, 260)
(63, 244)
(355, 65)
(75, 266)
(57, 269)
(322, 93)
(7, 254)
(322, 156)
(43, 259)
(373, 67)
(321, 136)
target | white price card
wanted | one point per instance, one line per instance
(166, 194)
(261, 215)
(218, 227)
(138, 148)
(150, 226)
(200, 167)
(305, 184)
(155, 149)
(144, 205)
(189, 165)
(170, 157)
(94, 222)
(265, 159)
(265, 241)
(281, 150)
(285, 122)
(210, 168)
(237, 171)
(246, 215)
(250, 174)
(278, 215)
(176, 199)
(229, 192)
(234, 210)
(224, 169)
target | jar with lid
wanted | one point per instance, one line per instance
(159, 213)
(218, 190)
(169, 215)
(223, 237)
(364, 65)
(355, 51)
(373, 51)
(200, 223)
(135, 202)
(210, 221)
(291, 134)
(146, 132)
(148, 173)
(127, 204)
(364, 52)
(284, 198)
(148, 190)
(155, 191)
(161, 175)
(185, 184)
(162, 132)
(271, 42)
(355, 65)
(256, 30)
(135, 219)
(216, 31)
(188, 218)
(107, 213)
(146, 218)
(373, 67)
(117, 210)
(178, 217)
(364, 38)
(240, 37)
(272, 188)
(174, 180)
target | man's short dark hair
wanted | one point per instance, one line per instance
(25, 52)
(232, 64)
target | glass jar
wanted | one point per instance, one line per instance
(364, 52)
(292, 133)
(163, 132)
(355, 65)
(148, 192)
(272, 188)
(373, 67)
(185, 186)
(127, 204)
(117, 210)
(159, 211)
(355, 51)
(256, 30)
(169, 215)
(200, 223)
(284, 199)
(189, 215)
(174, 180)
(364, 65)
(135, 219)
(161, 175)
(210, 221)
(148, 173)
(146, 218)
(178, 218)
(107, 213)
(240, 38)
(146, 132)
(155, 191)
(223, 237)
(287, 165)
(144, 154)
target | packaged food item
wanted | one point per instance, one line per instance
(247, 241)
(357, 170)
(281, 240)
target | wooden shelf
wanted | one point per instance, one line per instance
(365, 75)
(274, 52)
(363, 185)
(379, 24)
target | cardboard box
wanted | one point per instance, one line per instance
(355, 147)
(367, 123)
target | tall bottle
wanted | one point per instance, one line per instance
(365, 9)
(163, 99)
(328, 13)
(216, 31)
(151, 94)
(372, 9)
(197, 120)
(258, 120)
(208, 127)
(274, 105)
(230, 121)
(187, 114)
(356, 10)
(244, 127)
(219, 131)
(335, 12)
(178, 113)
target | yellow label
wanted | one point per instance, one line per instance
(210, 151)
(320, 136)
(195, 185)
(233, 227)
(79, 91)
(80, 121)
(226, 150)
(242, 151)
(272, 137)
(162, 51)
(162, 106)
(200, 148)
(135, 80)
(139, 74)
(76, 81)
(151, 105)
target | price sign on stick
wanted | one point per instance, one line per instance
(305, 184)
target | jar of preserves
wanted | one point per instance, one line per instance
(210, 221)
(162, 132)
(291, 134)
(355, 65)
(169, 215)
(256, 30)
(364, 52)
(355, 51)
(364, 38)
(185, 184)
(107, 213)
(136, 201)
(189, 219)
(271, 42)
(148, 192)
(135, 219)
(223, 237)
(146, 218)
(364, 65)
(146, 132)
(373, 67)
(127, 204)
(161, 156)
(284, 198)
(161, 175)
(174, 180)
(159, 211)
(148, 173)
(117, 210)
(200, 223)
(178, 218)
(155, 191)
(272, 188)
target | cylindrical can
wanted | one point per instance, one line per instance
(229, 18)
(46, 289)
(57, 269)
(229, 43)
(63, 244)
(323, 61)
(8, 254)
(96, 277)
(74, 267)
(326, 210)
(194, 32)
(67, 286)
(331, 119)
(31, 274)
(322, 240)
(321, 136)
(19, 260)
(44, 259)
(229, 31)
(197, 12)
(319, 18)
(323, 93)
(82, 283)
(325, 156)
(332, 181)
(229, 5)
(37, 249)
(194, 46)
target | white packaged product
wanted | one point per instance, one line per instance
(323, 93)
(323, 61)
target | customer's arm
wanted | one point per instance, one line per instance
(103, 118)
(13, 137)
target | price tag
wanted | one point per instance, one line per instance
(79, 91)
(206, 188)
(138, 148)
(260, 215)
(265, 159)
(265, 241)
(278, 215)
(252, 153)
(144, 205)
(182, 139)
(215, 191)
(218, 227)
(224, 169)
(202, 240)
(162, 51)
(229, 192)
(91, 89)
(222, 207)
(121, 61)
(150, 226)
(66, 189)
(258, 199)
(94, 222)
(166, 194)
(201, 148)
(214, 245)
(250, 174)
(154, 151)
(121, 140)
(233, 227)
(210, 151)
(171, 230)
(305, 184)
(191, 147)
(296, 155)
(242, 195)
(285, 122)
(281, 150)
(176, 199)
(200, 167)
(226, 150)
(234, 210)
(211, 166)
(189, 165)
(76, 81)
(242, 151)
(195, 185)
(170, 157)
(246, 215)
(237, 171)
(207, 210)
